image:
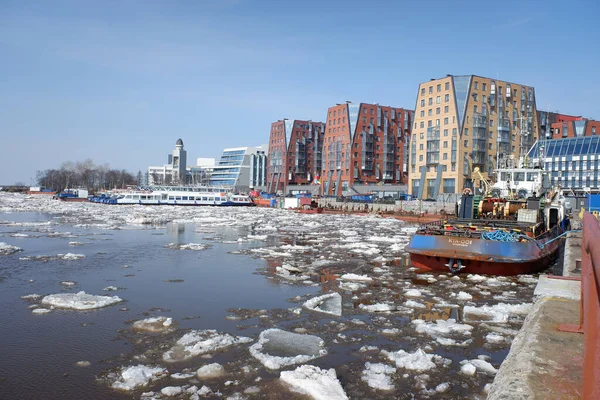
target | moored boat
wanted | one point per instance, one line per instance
(494, 236)
(176, 196)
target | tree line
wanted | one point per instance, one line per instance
(86, 174)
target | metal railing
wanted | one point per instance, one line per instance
(589, 311)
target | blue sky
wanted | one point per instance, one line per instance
(120, 81)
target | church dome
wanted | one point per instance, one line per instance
(179, 142)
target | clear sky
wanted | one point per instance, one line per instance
(120, 81)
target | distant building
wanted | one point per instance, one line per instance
(547, 118)
(176, 171)
(241, 168)
(294, 153)
(467, 121)
(573, 163)
(364, 144)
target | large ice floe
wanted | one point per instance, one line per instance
(200, 342)
(330, 303)
(7, 249)
(378, 376)
(320, 384)
(130, 378)
(277, 348)
(79, 301)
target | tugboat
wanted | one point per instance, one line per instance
(495, 235)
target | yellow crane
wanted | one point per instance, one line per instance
(486, 184)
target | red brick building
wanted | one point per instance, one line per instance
(294, 153)
(575, 128)
(364, 144)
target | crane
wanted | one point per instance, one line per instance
(486, 184)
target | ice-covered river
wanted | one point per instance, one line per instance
(190, 303)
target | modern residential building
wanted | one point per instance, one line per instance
(577, 127)
(294, 153)
(241, 168)
(573, 163)
(364, 144)
(464, 122)
(547, 118)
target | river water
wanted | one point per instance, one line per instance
(238, 271)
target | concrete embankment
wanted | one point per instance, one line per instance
(543, 362)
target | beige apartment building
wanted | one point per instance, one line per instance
(466, 121)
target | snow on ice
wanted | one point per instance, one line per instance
(378, 376)
(79, 301)
(6, 249)
(130, 378)
(154, 324)
(200, 342)
(320, 384)
(495, 313)
(277, 348)
(417, 361)
(209, 371)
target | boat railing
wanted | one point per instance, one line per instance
(432, 224)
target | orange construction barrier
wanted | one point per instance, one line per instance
(589, 315)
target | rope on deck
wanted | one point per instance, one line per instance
(507, 236)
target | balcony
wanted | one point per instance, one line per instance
(433, 158)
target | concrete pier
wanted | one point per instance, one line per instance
(543, 362)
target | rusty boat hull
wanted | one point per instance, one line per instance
(475, 255)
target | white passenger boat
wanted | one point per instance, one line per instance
(177, 196)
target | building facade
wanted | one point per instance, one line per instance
(364, 144)
(241, 168)
(294, 153)
(464, 122)
(575, 128)
(547, 118)
(572, 163)
(172, 173)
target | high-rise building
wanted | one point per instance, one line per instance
(240, 168)
(463, 122)
(364, 144)
(174, 172)
(294, 153)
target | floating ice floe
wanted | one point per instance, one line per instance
(209, 371)
(171, 391)
(31, 296)
(79, 301)
(290, 273)
(110, 289)
(75, 244)
(496, 313)
(130, 378)
(154, 324)
(442, 328)
(414, 304)
(412, 293)
(330, 303)
(379, 307)
(188, 246)
(318, 383)
(68, 283)
(70, 256)
(200, 342)
(416, 361)
(351, 286)
(355, 277)
(462, 296)
(7, 249)
(277, 348)
(494, 337)
(40, 311)
(479, 366)
(181, 376)
(378, 376)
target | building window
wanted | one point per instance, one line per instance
(370, 120)
(474, 108)
(430, 112)
(484, 86)
(437, 122)
(491, 122)
(446, 108)
(430, 101)
(453, 167)
(475, 97)
(438, 100)
(484, 98)
(454, 132)
(430, 89)
(429, 123)
(372, 111)
(422, 124)
(422, 91)
(446, 121)
(421, 157)
(466, 132)
(422, 102)
(422, 113)
(476, 85)
(444, 156)
(364, 120)
(466, 143)
(593, 130)
(445, 132)
(489, 146)
(421, 146)
(447, 85)
(439, 87)
(445, 144)
(447, 98)
(422, 135)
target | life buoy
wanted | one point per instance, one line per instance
(467, 192)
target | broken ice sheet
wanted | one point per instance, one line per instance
(130, 378)
(79, 301)
(330, 303)
(277, 348)
(320, 384)
(199, 342)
